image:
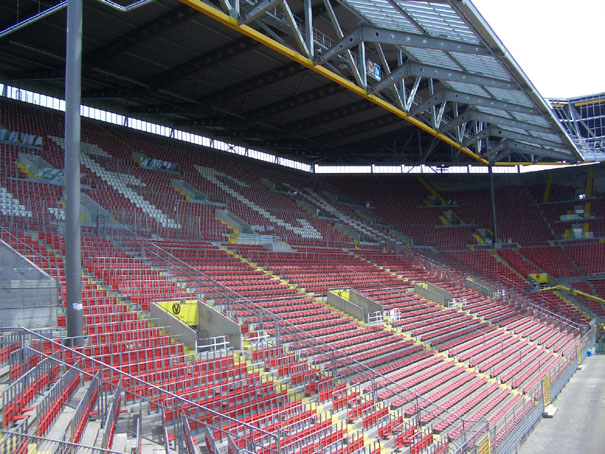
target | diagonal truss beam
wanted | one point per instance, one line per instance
(512, 146)
(508, 122)
(494, 131)
(476, 100)
(258, 10)
(371, 34)
(435, 72)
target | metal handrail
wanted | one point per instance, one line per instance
(132, 379)
(433, 262)
(239, 299)
(68, 446)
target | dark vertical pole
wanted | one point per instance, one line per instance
(492, 194)
(73, 265)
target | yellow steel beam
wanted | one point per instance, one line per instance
(232, 23)
(547, 188)
(432, 190)
(589, 103)
(589, 181)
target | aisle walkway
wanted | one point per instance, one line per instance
(579, 425)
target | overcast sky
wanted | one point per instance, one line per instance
(559, 44)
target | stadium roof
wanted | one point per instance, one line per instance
(434, 84)
(584, 119)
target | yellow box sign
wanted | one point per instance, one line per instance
(186, 311)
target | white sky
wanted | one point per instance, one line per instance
(559, 44)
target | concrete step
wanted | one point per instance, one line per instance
(90, 437)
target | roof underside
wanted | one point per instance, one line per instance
(167, 62)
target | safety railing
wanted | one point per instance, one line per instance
(112, 416)
(17, 396)
(49, 408)
(83, 409)
(211, 344)
(332, 371)
(231, 300)
(112, 379)
(17, 442)
(513, 293)
(10, 341)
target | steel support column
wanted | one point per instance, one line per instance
(492, 197)
(73, 259)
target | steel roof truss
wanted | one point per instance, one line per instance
(435, 72)
(439, 115)
(340, 34)
(503, 121)
(397, 75)
(410, 98)
(294, 28)
(362, 66)
(370, 34)
(458, 123)
(466, 98)
(309, 28)
(493, 131)
(227, 6)
(431, 101)
(373, 34)
(387, 71)
(256, 11)
(526, 148)
(346, 43)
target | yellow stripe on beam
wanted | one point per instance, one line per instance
(589, 181)
(432, 190)
(547, 188)
(232, 23)
(589, 103)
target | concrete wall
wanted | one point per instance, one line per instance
(346, 306)
(366, 303)
(213, 323)
(480, 286)
(28, 296)
(434, 293)
(233, 220)
(177, 327)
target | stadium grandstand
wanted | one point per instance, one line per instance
(288, 226)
